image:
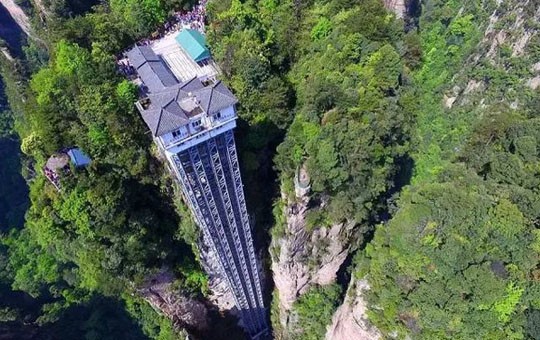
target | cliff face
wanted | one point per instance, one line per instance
(506, 40)
(303, 258)
(397, 6)
(186, 313)
(220, 294)
(17, 14)
(14, 29)
(350, 320)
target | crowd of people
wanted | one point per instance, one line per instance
(53, 177)
(56, 165)
(193, 19)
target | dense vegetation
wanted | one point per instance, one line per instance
(335, 80)
(314, 309)
(463, 250)
(361, 101)
(114, 224)
(460, 258)
(338, 86)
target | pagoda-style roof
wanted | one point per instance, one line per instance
(172, 108)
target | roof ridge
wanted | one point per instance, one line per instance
(187, 82)
(225, 91)
(170, 101)
(159, 121)
(210, 100)
(155, 72)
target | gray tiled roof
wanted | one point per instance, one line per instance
(220, 98)
(164, 113)
(138, 55)
(152, 70)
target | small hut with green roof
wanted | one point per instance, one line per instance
(194, 44)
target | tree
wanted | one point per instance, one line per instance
(315, 309)
(453, 263)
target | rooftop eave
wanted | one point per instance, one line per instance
(233, 118)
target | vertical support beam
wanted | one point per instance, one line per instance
(196, 201)
(233, 224)
(210, 176)
(239, 188)
(203, 181)
(208, 233)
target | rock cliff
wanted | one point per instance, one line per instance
(508, 37)
(17, 14)
(350, 320)
(397, 6)
(186, 313)
(302, 258)
(220, 294)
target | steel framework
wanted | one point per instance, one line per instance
(210, 176)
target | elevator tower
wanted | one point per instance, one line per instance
(192, 123)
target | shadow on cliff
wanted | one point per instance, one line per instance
(14, 199)
(257, 144)
(100, 318)
(224, 326)
(401, 178)
(412, 14)
(13, 188)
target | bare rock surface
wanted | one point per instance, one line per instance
(303, 258)
(507, 32)
(518, 35)
(185, 312)
(399, 7)
(350, 320)
(534, 83)
(449, 101)
(220, 293)
(6, 54)
(17, 14)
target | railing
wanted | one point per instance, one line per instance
(181, 140)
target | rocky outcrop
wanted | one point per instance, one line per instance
(397, 6)
(7, 54)
(220, 293)
(350, 319)
(186, 313)
(17, 14)
(507, 34)
(516, 35)
(303, 258)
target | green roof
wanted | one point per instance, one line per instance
(194, 43)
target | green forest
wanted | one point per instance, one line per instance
(420, 132)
